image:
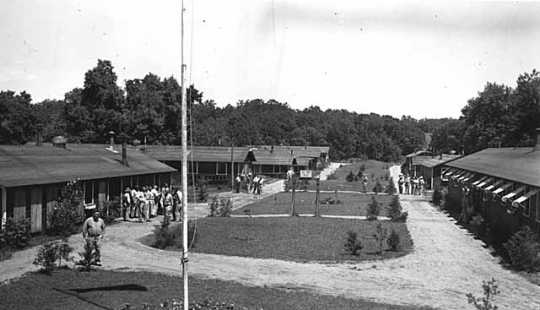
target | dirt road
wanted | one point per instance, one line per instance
(446, 264)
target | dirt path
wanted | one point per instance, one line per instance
(446, 264)
(328, 171)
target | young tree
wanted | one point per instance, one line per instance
(373, 209)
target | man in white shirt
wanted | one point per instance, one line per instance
(93, 231)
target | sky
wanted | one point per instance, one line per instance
(423, 59)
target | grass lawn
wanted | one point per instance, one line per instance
(351, 204)
(67, 289)
(301, 239)
(375, 170)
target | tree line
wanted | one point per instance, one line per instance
(498, 116)
(147, 110)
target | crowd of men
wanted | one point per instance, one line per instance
(146, 202)
(249, 183)
(411, 185)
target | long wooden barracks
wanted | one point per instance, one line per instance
(500, 184)
(31, 176)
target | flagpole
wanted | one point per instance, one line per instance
(184, 167)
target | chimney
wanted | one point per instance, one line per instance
(39, 138)
(124, 155)
(111, 140)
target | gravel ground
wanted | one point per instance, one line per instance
(446, 264)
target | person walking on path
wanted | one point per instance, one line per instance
(178, 203)
(93, 231)
(237, 183)
(168, 204)
(401, 181)
(126, 203)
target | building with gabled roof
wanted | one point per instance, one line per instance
(31, 176)
(502, 185)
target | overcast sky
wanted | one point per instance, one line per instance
(417, 58)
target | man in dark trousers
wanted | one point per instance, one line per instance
(93, 231)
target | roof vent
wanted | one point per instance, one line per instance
(59, 141)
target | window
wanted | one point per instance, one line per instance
(88, 192)
(221, 168)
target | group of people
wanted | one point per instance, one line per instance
(411, 185)
(252, 184)
(145, 202)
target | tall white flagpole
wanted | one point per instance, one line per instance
(184, 168)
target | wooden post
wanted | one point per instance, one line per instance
(317, 199)
(293, 180)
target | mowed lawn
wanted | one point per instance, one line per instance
(300, 239)
(68, 289)
(351, 204)
(375, 170)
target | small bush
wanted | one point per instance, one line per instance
(393, 241)
(88, 257)
(379, 236)
(203, 192)
(5, 253)
(373, 209)
(362, 169)
(350, 177)
(396, 213)
(65, 216)
(391, 187)
(352, 244)
(486, 302)
(47, 256)
(16, 233)
(523, 250)
(221, 208)
(332, 177)
(166, 236)
(378, 187)
(436, 198)
(162, 237)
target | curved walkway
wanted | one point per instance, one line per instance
(447, 263)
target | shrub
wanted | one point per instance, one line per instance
(350, 177)
(378, 187)
(166, 236)
(304, 185)
(162, 237)
(47, 256)
(16, 233)
(436, 198)
(221, 208)
(352, 244)
(395, 211)
(491, 290)
(88, 257)
(65, 214)
(373, 209)
(213, 205)
(5, 253)
(111, 211)
(332, 177)
(203, 192)
(393, 241)
(379, 236)
(523, 250)
(391, 187)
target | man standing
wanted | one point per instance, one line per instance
(93, 231)
(126, 203)
(178, 202)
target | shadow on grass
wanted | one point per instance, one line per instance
(76, 291)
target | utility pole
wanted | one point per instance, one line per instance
(185, 245)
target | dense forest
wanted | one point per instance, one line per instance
(147, 110)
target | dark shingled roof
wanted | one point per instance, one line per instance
(520, 165)
(432, 161)
(30, 164)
